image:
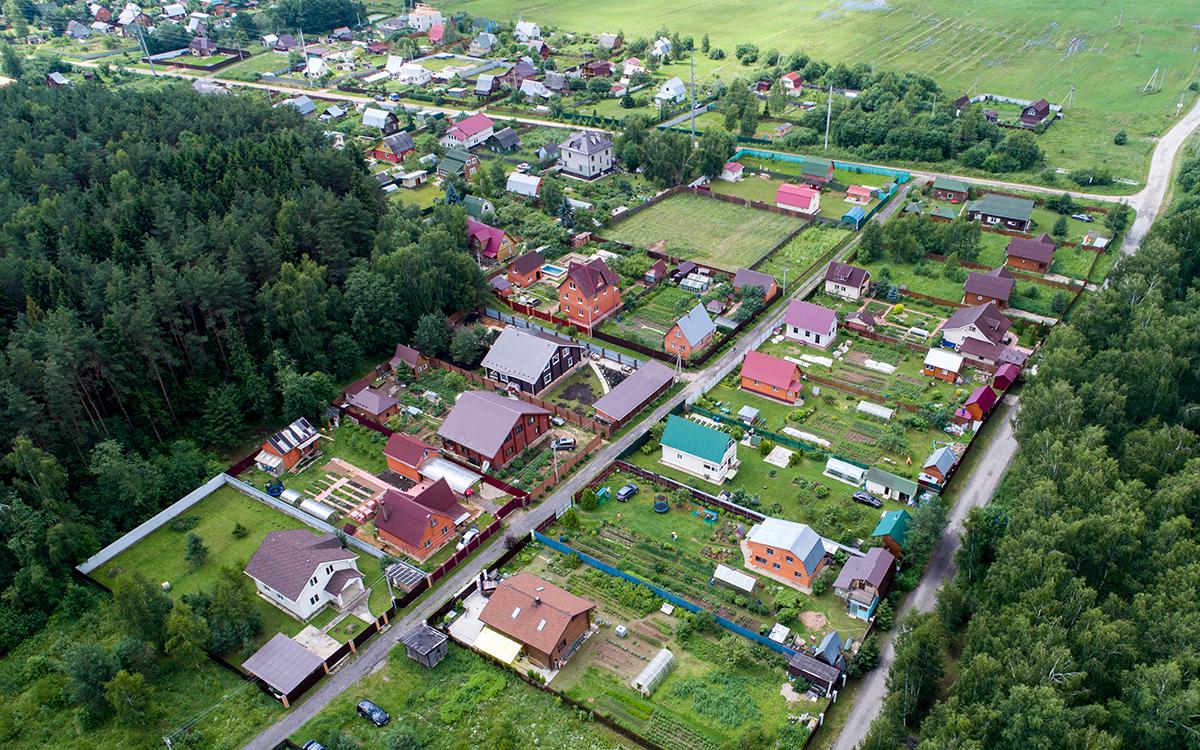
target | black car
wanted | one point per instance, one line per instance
(373, 713)
(866, 498)
(627, 492)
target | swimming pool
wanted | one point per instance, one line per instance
(552, 270)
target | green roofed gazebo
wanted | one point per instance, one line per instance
(701, 451)
(893, 530)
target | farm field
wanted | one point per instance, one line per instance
(159, 557)
(1018, 48)
(724, 235)
(484, 704)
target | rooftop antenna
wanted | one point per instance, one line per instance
(828, 115)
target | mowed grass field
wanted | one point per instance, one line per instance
(723, 235)
(1025, 49)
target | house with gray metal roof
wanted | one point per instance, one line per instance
(634, 392)
(285, 667)
(787, 551)
(529, 362)
(691, 333)
(586, 154)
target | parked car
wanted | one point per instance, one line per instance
(1083, 217)
(627, 492)
(524, 166)
(866, 498)
(394, 96)
(563, 444)
(557, 421)
(467, 538)
(370, 711)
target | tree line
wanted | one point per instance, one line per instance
(1075, 609)
(177, 275)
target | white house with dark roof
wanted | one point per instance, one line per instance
(846, 281)
(586, 154)
(300, 572)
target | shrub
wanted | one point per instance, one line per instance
(239, 531)
(184, 523)
(823, 582)
(884, 614)
(866, 659)
(1121, 138)
(764, 448)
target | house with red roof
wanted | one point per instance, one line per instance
(468, 132)
(437, 34)
(810, 324)
(792, 81)
(798, 198)
(995, 286)
(771, 376)
(420, 523)
(732, 171)
(980, 403)
(589, 293)
(406, 455)
(489, 242)
(1034, 254)
(1006, 376)
(859, 194)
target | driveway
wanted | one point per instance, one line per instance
(976, 492)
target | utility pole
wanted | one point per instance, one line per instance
(692, 63)
(828, 115)
(142, 39)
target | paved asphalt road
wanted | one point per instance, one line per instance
(978, 490)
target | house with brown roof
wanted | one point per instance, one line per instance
(1035, 113)
(421, 522)
(590, 293)
(984, 323)
(1034, 254)
(656, 272)
(526, 269)
(549, 622)
(846, 281)
(406, 355)
(300, 572)
(289, 448)
(996, 286)
(744, 278)
(487, 429)
(770, 376)
(372, 404)
(406, 455)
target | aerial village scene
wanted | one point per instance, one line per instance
(551, 377)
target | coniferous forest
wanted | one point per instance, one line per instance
(177, 273)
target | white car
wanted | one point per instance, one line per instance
(467, 538)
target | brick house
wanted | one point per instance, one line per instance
(487, 428)
(526, 269)
(590, 293)
(787, 551)
(406, 455)
(770, 376)
(994, 286)
(420, 523)
(691, 333)
(548, 622)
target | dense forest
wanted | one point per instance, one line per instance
(1075, 614)
(176, 274)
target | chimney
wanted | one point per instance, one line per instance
(537, 600)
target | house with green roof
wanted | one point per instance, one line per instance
(892, 530)
(701, 451)
(950, 189)
(945, 213)
(816, 172)
(478, 207)
(458, 162)
(1002, 212)
(886, 484)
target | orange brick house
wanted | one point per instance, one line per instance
(525, 270)
(548, 622)
(419, 524)
(405, 455)
(787, 551)
(691, 333)
(590, 293)
(770, 376)
(289, 448)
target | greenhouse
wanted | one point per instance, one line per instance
(654, 673)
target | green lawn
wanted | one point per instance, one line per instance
(465, 701)
(36, 706)
(159, 557)
(253, 68)
(1068, 261)
(720, 234)
(424, 196)
(928, 277)
(793, 261)
(1016, 48)
(751, 188)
